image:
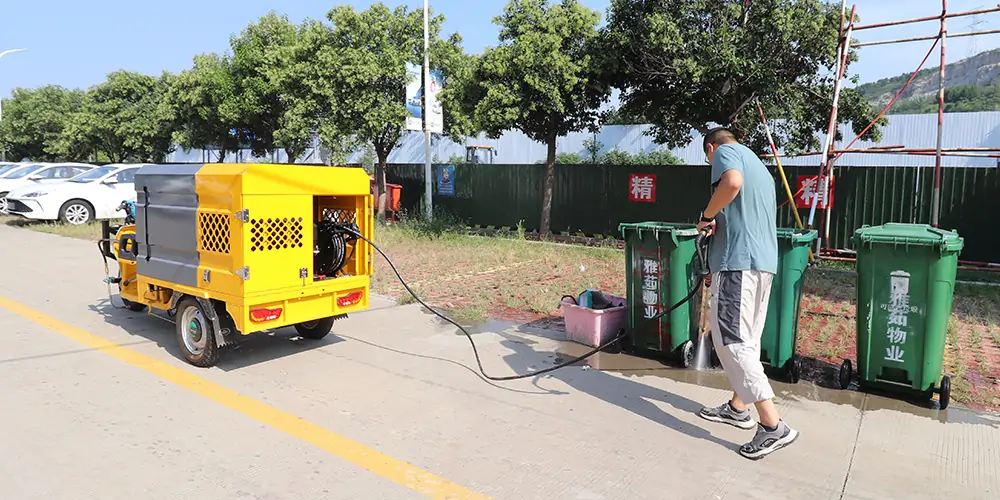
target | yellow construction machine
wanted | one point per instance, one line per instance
(226, 250)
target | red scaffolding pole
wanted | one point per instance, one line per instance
(828, 151)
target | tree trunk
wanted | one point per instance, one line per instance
(550, 179)
(380, 195)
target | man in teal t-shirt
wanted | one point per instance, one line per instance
(743, 259)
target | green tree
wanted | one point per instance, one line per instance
(541, 79)
(202, 106)
(690, 63)
(120, 118)
(34, 119)
(269, 121)
(356, 73)
(657, 157)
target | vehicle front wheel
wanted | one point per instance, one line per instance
(195, 334)
(76, 212)
(315, 330)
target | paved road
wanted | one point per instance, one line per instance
(98, 404)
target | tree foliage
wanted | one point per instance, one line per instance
(541, 79)
(351, 76)
(202, 106)
(120, 119)
(268, 121)
(690, 64)
(34, 119)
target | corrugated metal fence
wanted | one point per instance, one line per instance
(594, 199)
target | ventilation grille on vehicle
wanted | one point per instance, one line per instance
(275, 234)
(214, 232)
(339, 215)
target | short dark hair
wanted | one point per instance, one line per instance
(718, 135)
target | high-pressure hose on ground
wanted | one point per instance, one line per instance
(701, 272)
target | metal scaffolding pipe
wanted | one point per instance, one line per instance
(842, 57)
(936, 208)
(928, 18)
(920, 38)
(971, 153)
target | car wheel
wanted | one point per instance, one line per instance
(76, 212)
(3, 205)
(315, 330)
(195, 334)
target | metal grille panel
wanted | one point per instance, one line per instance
(339, 215)
(275, 234)
(214, 232)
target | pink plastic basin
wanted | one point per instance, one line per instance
(594, 327)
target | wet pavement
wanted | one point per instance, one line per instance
(390, 405)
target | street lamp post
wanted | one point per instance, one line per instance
(428, 182)
(3, 154)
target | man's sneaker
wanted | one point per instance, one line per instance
(727, 415)
(765, 442)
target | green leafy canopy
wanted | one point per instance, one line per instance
(687, 64)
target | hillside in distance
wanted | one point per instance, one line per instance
(970, 85)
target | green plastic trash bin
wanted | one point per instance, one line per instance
(906, 282)
(781, 327)
(660, 272)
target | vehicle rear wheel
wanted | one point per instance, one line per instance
(315, 330)
(76, 212)
(195, 334)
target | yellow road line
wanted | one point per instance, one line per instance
(356, 453)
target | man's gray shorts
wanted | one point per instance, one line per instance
(738, 308)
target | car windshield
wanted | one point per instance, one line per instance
(7, 168)
(93, 175)
(23, 172)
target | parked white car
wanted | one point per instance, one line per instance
(6, 168)
(38, 174)
(94, 194)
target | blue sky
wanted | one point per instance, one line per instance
(75, 44)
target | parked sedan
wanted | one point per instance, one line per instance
(94, 194)
(6, 168)
(37, 174)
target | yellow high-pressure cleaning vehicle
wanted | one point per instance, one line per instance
(231, 249)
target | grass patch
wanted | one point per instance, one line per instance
(468, 315)
(90, 231)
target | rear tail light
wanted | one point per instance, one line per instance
(350, 299)
(265, 314)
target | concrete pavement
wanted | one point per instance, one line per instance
(80, 422)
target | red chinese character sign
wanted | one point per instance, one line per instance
(642, 188)
(809, 188)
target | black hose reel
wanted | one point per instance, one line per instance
(330, 246)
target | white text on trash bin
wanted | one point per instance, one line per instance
(899, 310)
(650, 287)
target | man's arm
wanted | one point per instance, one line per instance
(729, 186)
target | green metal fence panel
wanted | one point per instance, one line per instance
(594, 199)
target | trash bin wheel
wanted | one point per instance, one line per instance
(686, 352)
(793, 368)
(945, 392)
(845, 374)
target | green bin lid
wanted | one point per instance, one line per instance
(797, 236)
(897, 233)
(674, 230)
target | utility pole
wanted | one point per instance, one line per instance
(428, 182)
(3, 154)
